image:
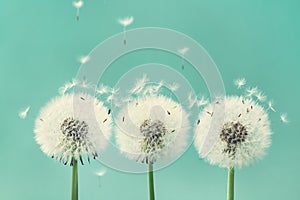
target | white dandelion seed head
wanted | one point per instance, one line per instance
(242, 138)
(78, 4)
(183, 50)
(66, 128)
(23, 113)
(126, 21)
(283, 118)
(240, 82)
(152, 128)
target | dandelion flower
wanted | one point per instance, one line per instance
(68, 132)
(125, 22)
(150, 129)
(101, 172)
(78, 5)
(23, 113)
(242, 138)
(244, 135)
(240, 82)
(283, 118)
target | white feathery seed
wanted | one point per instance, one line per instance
(240, 82)
(23, 113)
(183, 50)
(283, 118)
(152, 128)
(77, 5)
(84, 59)
(140, 83)
(73, 126)
(126, 21)
(243, 136)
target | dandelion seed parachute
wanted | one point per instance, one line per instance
(66, 128)
(243, 137)
(152, 128)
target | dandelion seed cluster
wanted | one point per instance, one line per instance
(152, 128)
(243, 136)
(72, 126)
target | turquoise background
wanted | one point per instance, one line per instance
(39, 45)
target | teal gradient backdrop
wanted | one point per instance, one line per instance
(39, 45)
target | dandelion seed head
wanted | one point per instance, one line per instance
(66, 129)
(24, 112)
(243, 136)
(126, 21)
(152, 128)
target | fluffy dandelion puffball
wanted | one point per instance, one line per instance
(73, 126)
(243, 136)
(151, 128)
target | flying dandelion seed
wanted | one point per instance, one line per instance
(78, 5)
(102, 90)
(182, 52)
(202, 102)
(125, 22)
(251, 91)
(84, 59)
(173, 87)
(140, 83)
(271, 106)
(101, 172)
(283, 118)
(23, 113)
(240, 82)
(260, 96)
(191, 100)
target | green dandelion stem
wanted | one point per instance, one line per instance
(230, 186)
(74, 194)
(150, 181)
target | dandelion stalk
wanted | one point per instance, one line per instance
(150, 181)
(74, 193)
(230, 186)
